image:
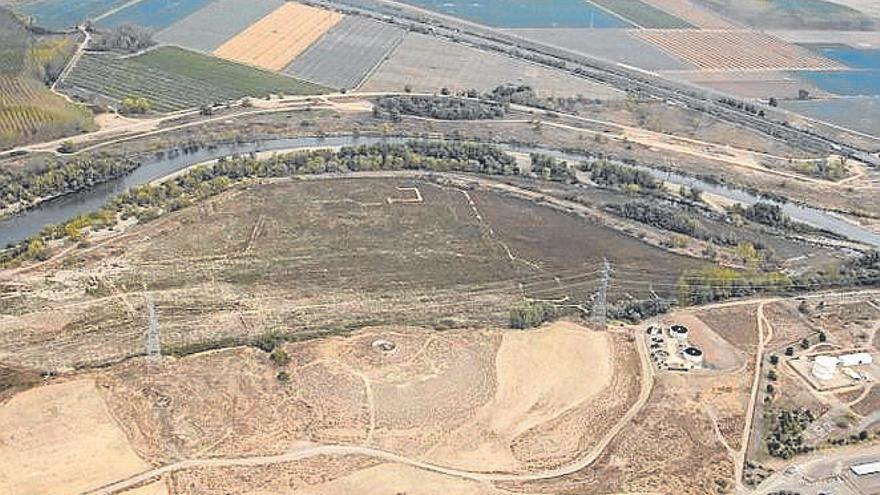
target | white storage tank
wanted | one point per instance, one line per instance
(692, 355)
(825, 367)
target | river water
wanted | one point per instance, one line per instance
(28, 223)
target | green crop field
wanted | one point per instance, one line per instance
(29, 110)
(174, 79)
(643, 14)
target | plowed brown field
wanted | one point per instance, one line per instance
(735, 50)
(275, 40)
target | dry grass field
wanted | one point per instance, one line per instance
(305, 258)
(870, 404)
(735, 324)
(480, 400)
(848, 324)
(275, 40)
(789, 327)
(735, 50)
(61, 439)
(671, 448)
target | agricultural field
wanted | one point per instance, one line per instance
(29, 110)
(791, 14)
(642, 14)
(346, 54)
(751, 84)
(152, 14)
(174, 79)
(852, 39)
(618, 45)
(694, 14)
(859, 114)
(428, 64)
(518, 14)
(276, 39)
(211, 26)
(64, 14)
(735, 50)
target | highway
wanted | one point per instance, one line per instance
(613, 74)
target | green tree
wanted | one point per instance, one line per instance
(134, 105)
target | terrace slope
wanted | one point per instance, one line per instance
(29, 110)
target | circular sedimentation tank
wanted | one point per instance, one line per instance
(693, 354)
(679, 331)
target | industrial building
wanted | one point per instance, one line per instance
(825, 367)
(866, 469)
(857, 359)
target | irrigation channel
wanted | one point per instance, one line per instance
(18, 227)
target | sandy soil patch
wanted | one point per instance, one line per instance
(275, 40)
(540, 375)
(396, 478)
(61, 439)
(157, 488)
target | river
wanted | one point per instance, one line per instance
(28, 223)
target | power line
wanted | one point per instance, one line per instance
(154, 347)
(600, 306)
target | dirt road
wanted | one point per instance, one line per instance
(749, 434)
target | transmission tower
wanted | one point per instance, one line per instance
(600, 306)
(154, 347)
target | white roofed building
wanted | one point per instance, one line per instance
(857, 359)
(866, 469)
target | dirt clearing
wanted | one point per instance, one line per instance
(533, 387)
(61, 439)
